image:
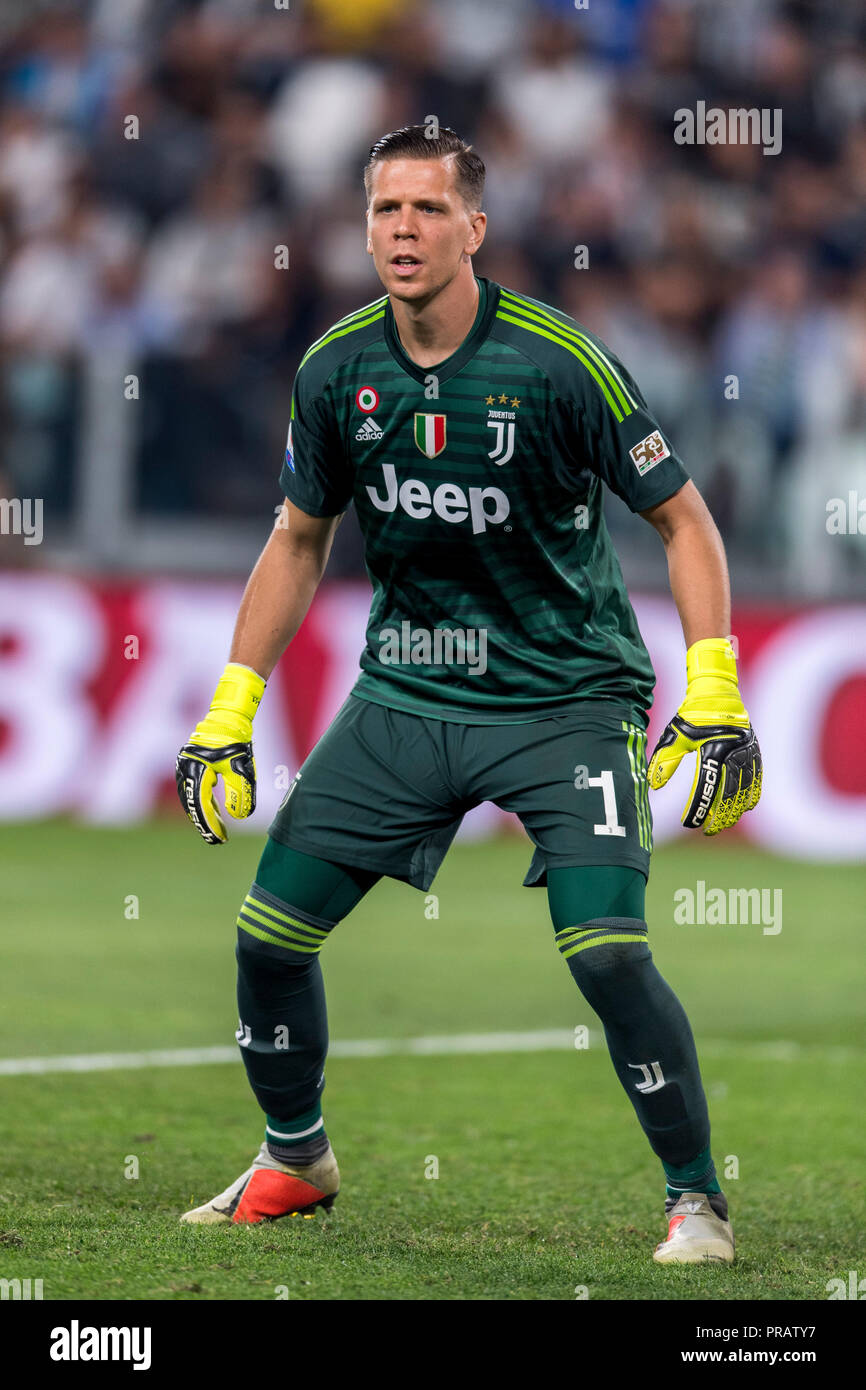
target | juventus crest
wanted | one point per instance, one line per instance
(504, 447)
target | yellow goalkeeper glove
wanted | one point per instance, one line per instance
(712, 722)
(221, 746)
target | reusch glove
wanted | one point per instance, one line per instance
(221, 746)
(712, 722)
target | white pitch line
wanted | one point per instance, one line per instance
(465, 1044)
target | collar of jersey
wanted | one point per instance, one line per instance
(488, 298)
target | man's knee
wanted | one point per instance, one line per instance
(271, 930)
(604, 944)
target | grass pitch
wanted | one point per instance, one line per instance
(545, 1185)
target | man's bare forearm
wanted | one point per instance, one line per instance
(279, 592)
(697, 565)
(700, 584)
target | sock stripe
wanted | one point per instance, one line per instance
(265, 921)
(585, 932)
(290, 932)
(273, 937)
(601, 941)
(275, 912)
(272, 1133)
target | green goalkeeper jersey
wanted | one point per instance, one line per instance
(497, 594)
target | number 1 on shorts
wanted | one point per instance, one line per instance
(611, 825)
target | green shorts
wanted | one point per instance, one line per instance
(386, 791)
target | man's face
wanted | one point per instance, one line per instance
(418, 227)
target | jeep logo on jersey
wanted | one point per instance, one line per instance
(484, 506)
(430, 434)
(649, 452)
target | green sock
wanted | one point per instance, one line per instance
(697, 1176)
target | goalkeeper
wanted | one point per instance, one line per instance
(475, 430)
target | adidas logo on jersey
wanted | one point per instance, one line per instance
(369, 431)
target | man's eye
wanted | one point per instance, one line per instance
(390, 207)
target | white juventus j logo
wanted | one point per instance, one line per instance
(648, 1084)
(503, 441)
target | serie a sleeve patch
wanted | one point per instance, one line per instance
(649, 452)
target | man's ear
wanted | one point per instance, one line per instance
(479, 229)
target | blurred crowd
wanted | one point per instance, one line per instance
(154, 153)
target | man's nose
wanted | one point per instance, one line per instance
(406, 225)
